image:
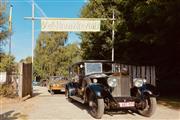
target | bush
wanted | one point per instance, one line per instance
(7, 90)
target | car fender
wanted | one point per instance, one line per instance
(150, 90)
(146, 89)
(71, 88)
(97, 89)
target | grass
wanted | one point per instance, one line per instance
(170, 102)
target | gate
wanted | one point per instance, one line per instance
(145, 72)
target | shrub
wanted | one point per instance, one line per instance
(7, 90)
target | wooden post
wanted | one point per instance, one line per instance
(134, 71)
(25, 80)
(20, 84)
(148, 78)
(153, 75)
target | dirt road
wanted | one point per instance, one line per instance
(45, 106)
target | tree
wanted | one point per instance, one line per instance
(7, 63)
(141, 27)
(26, 60)
(147, 32)
(3, 23)
(101, 42)
(72, 54)
(52, 58)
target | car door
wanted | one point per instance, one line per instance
(74, 75)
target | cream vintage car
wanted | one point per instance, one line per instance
(57, 84)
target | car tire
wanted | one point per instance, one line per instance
(52, 92)
(150, 108)
(96, 107)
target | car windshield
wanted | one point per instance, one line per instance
(91, 68)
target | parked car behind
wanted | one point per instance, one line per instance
(56, 83)
(35, 83)
(105, 87)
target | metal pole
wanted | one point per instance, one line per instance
(10, 28)
(9, 45)
(113, 37)
(32, 32)
(32, 41)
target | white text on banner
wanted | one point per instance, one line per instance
(48, 25)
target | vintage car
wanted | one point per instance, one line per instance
(56, 83)
(105, 87)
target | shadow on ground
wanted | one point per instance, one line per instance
(35, 94)
(170, 102)
(11, 115)
(56, 92)
(111, 113)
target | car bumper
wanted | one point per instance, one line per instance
(123, 103)
(58, 88)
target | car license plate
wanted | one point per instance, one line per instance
(126, 104)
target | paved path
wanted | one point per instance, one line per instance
(45, 106)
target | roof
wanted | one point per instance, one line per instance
(93, 61)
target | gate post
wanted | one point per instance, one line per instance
(25, 80)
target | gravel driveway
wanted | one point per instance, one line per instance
(45, 106)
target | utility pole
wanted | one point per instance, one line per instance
(10, 28)
(32, 32)
(113, 36)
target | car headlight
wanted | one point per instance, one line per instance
(95, 80)
(112, 82)
(138, 82)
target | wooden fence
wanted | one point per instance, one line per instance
(25, 80)
(145, 72)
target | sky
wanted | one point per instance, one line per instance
(22, 35)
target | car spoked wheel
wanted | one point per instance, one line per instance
(150, 106)
(96, 107)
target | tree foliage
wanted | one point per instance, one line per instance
(146, 32)
(3, 24)
(7, 63)
(52, 57)
(26, 60)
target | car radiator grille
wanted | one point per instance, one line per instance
(123, 87)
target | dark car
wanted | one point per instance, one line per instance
(106, 87)
(35, 83)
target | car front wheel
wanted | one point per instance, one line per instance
(96, 107)
(150, 106)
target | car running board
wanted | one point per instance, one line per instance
(77, 99)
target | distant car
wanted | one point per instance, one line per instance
(43, 82)
(57, 83)
(35, 83)
(105, 87)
